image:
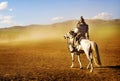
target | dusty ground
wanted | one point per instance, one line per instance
(50, 61)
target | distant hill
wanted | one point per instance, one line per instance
(99, 28)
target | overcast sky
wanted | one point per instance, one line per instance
(25, 12)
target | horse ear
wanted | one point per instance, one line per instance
(64, 37)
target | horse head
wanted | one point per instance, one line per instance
(69, 35)
(66, 36)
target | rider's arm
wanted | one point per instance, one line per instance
(87, 33)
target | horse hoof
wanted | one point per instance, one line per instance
(81, 67)
(91, 71)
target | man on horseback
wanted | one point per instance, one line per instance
(77, 34)
(78, 42)
(80, 32)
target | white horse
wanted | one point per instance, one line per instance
(90, 49)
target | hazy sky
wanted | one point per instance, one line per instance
(25, 12)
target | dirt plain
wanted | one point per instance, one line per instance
(50, 60)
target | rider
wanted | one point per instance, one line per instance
(81, 30)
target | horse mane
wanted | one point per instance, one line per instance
(72, 33)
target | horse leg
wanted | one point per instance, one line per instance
(79, 60)
(91, 63)
(73, 59)
(91, 70)
(88, 65)
(89, 56)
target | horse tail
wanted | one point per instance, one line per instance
(96, 56)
